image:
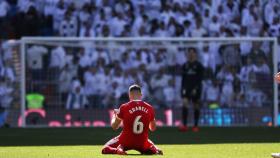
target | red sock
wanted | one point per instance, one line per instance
(109, 150)
(153, 149)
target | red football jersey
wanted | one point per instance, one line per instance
(136, 116)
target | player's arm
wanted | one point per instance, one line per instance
(152, 125)
(116, 121)
(183, 81)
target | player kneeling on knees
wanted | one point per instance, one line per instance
(138, 117)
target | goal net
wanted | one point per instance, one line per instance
(73, 82)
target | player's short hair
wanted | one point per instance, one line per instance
(192, 49)
(134, 88)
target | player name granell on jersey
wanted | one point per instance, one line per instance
(138, 108)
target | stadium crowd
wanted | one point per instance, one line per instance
(99, 76)
(123, 18)
(85, 76)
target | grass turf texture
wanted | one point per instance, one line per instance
(87, 142)
(170, 151)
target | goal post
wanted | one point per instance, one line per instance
(22, 83)
(275, 84)
(167, 47)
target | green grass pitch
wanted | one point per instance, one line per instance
(170, 151)
(87, 143)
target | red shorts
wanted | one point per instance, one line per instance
(147, 148)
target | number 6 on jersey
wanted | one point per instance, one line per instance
(138, 126)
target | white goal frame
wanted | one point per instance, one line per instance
(31, 40)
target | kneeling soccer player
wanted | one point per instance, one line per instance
(137, 117)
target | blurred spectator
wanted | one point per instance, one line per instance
(255, 97)
(117, 24)
(4, 8)
(31, 23)
(24, 5)
(6, 98)
(198, 31)
(65, 80)
(214, 27)
(8, 73)
(105, 71)
(69, 25)
(226, 78)
(161, 31)
(86, 30)
(158, 82)
(5, 94)
(274, 29)
(231, 55)
(261, 67)
(211, 92)
(76, 99)
(85, 14)
(57, 62)
(58, 14)
(35, 56)
(271, 11)
(143, 18)
(245, 47)
(207, 58)
(169, 93)
(257, 52)
(246, 70)
(157, 62)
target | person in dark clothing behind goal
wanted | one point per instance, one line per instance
(192, 75)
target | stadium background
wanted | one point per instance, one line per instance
(52, 49)
(238, 85)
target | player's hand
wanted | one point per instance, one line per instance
(116, 111)
(277, 77)
(183, 91)
(194, 92)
